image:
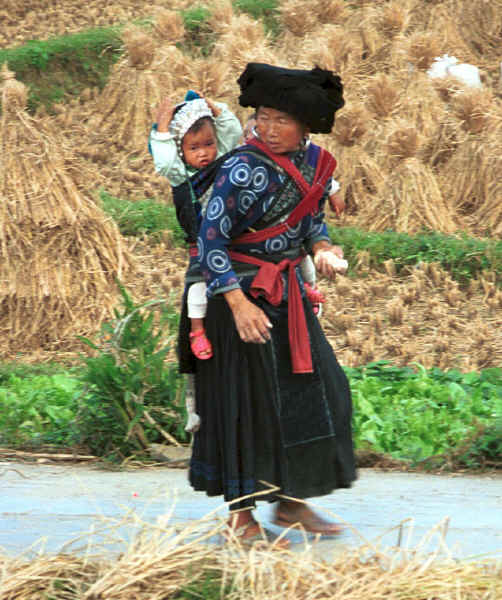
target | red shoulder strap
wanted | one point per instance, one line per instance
(311, 194)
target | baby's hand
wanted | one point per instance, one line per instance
(164, 114)
(214, 109)
(337, 203)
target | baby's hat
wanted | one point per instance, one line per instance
(186, 113)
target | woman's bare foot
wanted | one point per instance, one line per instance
(248, 531)
(298, 514)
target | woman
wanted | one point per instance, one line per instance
(274, 404)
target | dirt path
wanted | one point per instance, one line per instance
(46, 506)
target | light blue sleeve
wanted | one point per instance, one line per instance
(228, 129)
(166, 159)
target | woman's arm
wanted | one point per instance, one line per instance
(233, 196)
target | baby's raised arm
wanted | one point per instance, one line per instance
(164, 115)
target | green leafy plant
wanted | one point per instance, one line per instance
(133, 396)
(38, 409)
(415, 414)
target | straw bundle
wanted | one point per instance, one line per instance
(422, 48)
(126, 106)
(60, 256)
(383, 95)
(243, 41)
(393, 18)
(411, 198)
(481, 25)
(297, 17)
(475, 109)
(212, 78)
(222, 13)
(168, 26)
(445, 19)
(424, 109)
(360, 175)
(173, 69)
(351, 124)
(329, 11)
(332, 47)
(471, 178)
(379, 26)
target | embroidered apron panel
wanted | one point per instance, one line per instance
(300, 399)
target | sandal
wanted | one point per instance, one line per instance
(200, 345)
(311, 524)
(315, 297)
(261, 536)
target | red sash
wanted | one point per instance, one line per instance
(268, 280)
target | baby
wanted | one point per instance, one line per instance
(186, 138)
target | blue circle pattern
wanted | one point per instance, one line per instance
(260, 179)
(215, 208)
(230, 162)
(217, 261)
(276, 244)
(240, 175)
(292, 232)
(226, 226)
(316, 229)
(200, 249)
(246, 199)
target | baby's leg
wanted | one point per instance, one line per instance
(307, 269)
(315, 297)
(193, 420)
(197, 304)
(197, 307)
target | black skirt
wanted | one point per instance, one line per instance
(261, 424)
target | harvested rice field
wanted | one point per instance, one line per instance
(413, 153)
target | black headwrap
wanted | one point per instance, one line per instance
(312, 96)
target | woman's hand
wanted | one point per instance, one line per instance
(251, 322)
(328, 259)
(164, 115)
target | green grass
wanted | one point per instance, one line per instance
(462, 256)
(142, 217)
(264, 10)
(58, 69)
(199, 33)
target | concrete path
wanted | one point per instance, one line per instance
(43, 507)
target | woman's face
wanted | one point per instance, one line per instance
(280, 131)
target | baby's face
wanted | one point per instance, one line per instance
(200, 149)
